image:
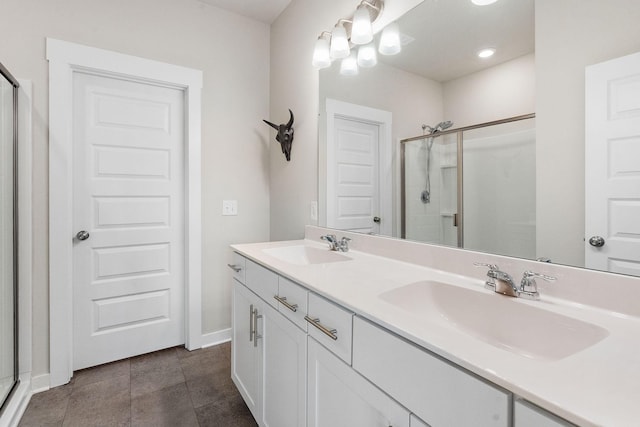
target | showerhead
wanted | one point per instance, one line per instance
(437, 128)
(444, 125)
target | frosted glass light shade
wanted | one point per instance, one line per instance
(367, 56)
(321, 56)
(339, 43)
(349, 65)
(390, 40)
(361, 31)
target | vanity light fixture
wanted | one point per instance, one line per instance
(367, 56)
(390, 40)
(361, 32)
(321, 55)
(349, 65)
(486, 53)
(338, 43)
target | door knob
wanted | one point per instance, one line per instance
(82, 235)
(596, 241)
(376, 219)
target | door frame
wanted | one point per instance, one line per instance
(65, 58)
(335, 109)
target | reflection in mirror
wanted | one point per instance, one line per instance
(472, 188)
(437, 77)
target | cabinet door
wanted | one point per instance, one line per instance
(339, 397)
(285, 372)
(528, 415)
(246, 357)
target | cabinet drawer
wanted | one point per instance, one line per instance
(262, 281)
(238, 266)
(526, 414)
(292, 301)
(331, 326)
(436, 391)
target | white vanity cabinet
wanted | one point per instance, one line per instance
(435, 390)
(339, 397)
(526, 414)
(269, 351)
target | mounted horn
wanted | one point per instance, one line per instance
(285, 135)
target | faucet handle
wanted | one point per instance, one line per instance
(491, 282)
(528, 285)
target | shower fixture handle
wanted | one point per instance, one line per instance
(597, 241)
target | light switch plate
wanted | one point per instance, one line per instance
(313, 210)
(229, 207)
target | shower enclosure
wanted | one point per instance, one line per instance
(473, 187)
(8, 237)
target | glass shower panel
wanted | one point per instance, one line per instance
(500, 189)
(430, 189)
(7, 289)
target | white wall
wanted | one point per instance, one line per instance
(571, 34)
(502, 91)
(235, 99)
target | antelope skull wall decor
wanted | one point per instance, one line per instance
(284, 136)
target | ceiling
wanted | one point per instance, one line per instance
(448, 34)
(261, 10)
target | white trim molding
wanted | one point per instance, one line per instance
(64, 59)
(215, 338)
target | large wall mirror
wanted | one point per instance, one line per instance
(532, 169)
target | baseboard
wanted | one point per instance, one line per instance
(17, 405)
(40, 383)
(215, 338)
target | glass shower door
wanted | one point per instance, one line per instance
(8, 340)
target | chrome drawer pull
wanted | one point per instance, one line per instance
(256, 336)
(283, 301)
(331, 333)
(251, 323)
(235, 268)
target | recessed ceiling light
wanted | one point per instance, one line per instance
(486, 53)
(483, 2)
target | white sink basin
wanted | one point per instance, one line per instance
(305, 255)
(498, 320)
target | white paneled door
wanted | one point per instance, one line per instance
(356, 200)
(128, 218)
(612, 166)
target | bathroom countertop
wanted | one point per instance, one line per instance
(597, 386)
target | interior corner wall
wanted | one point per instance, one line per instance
(235, 99)
(570, 35)
(295, 85)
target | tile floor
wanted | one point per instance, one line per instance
(172, 387)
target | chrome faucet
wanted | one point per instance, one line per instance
(503, 283)
(332, 241)
(341, 245)
(499, 281)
